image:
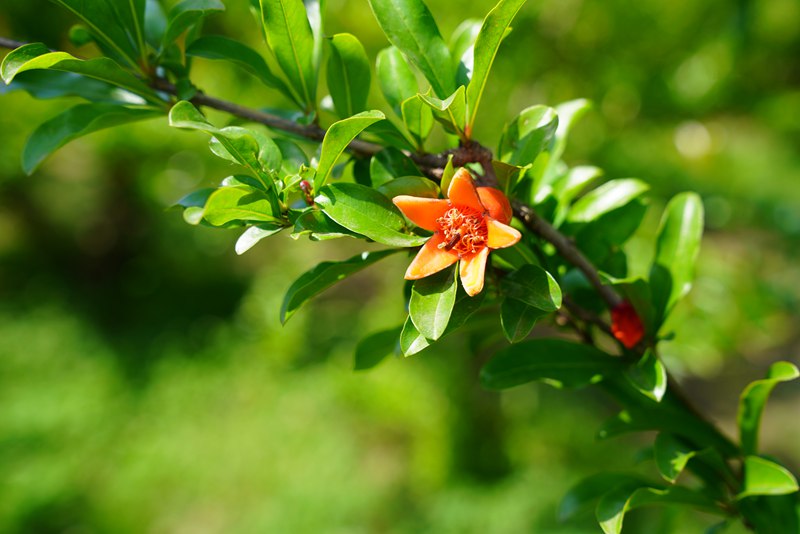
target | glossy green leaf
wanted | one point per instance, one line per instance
(37, 56)
(447, 174)
(677, 247)
(117, 26)
(319, 227)
(239, 203)
(569, 186)
(418, 119)
(315, 10)
(568, 115)
(390, 164)
(254, 234)
(432, 301)
(76, 122)
(592, 488)
(615, 504)
(450, 112)
(555, 361)
(348, 74)
(365, 211)
(323, 276)
(409, 26)
(518, 319)
(415, 186)
(241, 55)
(606, 198)
(671, 455)
(155, 23)
(462, 45)
(528, 135)
(291, 39)
(486, 46)
(649, 376)
(374, 348)
(754, 398)
(185, 14)
(395, 77)
(765, 477)
(534, 286)
(338, 136)
(412, 342)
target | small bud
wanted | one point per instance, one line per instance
(626, 325)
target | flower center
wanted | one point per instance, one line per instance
(464, 230)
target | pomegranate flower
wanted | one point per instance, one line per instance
(626, 325)
(466, 226)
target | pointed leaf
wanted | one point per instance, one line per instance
(671, 455)
(649, 376)
(764, 477)
(254, 234)
(462, 48)
(240, 204)
(534, 286)
(323, 276)
(555, 361)
(592, 488)
(528, 135)
(418, 118)
(338, 136)
(76, 122)
(291, 39)
(450, 112)
(185, 14)
(518, 319)
(606, 198)
(348, 75)
(409, 25)
(395, 77)
(365, 211)
(488, 42)
(754, 398)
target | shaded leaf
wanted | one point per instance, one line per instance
(395, 77)
(754, 398)
(418, 118)
(254, 234)
(528, 135)
(649, 376)
(450, 112)
(319, 227)
(338, 136)
(348, 75)
(518, 318)
(431, 303)
(534, 286)
(374, 348)
(186, 14)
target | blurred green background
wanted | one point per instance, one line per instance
(146, 384)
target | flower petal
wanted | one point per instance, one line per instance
(496, 203)
(501, 235)
(422, 211)
(462, 191)
(472, 271)
(430, 259)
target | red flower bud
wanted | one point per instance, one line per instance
(626, 325)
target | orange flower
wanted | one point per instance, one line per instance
(626, 325)
(465, 226)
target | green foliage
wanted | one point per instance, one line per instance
(337, 138)
(348, 74)
(431, 303)
(753, 400)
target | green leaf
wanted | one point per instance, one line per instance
(374, 348)
(555, 361)
(450, 112)
(677, 247)
(186, 14)
(447, 174)
(219, 47)
(418, 119)
(323, 276)
(390, 164)
(412, 342)
(432, 301)
(348, 75)
(37, 56)
(253, 235)
(592, 488)
(395, 77)
(754, 398)
(764, 477)
(462, 44)
(314, 11)
(671, 455)
(488, 42)
(568, 114)
(569, 186)
(319, 227)
(291, 39)
(409, 25)
(44, 84)
(115, 25)
(415, 186)
(338, 136)
(528, 135)
(239, 203)
(615, 504)
(534, 286)
(518, 319)
(365, 211)
(76, 122)
(606, 198)
(649, 376)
